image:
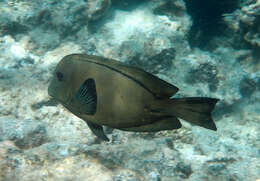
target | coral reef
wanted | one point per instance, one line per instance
(206, 48)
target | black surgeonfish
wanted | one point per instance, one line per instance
(106, 92)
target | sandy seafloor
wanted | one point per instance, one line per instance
(206, 48)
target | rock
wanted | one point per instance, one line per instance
(244, 22)
(54, 20)
(41, 140)
(24, 133)
(158, 63)
(20, 165)
(154, 176)
(248, 87)
(126, 4)
(97, 9)
(170, 8)
(205, 73)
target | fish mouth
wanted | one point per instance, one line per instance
(51, 92)
(53, 96)
(57, 96)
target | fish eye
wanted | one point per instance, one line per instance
(59, 76)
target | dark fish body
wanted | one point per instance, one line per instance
(106, 92)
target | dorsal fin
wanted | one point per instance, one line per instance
(157, 86)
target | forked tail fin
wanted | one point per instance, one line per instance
(196, 110)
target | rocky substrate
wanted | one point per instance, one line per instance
(40, 140)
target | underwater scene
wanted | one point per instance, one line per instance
(130, 90)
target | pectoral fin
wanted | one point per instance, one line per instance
(87, 97)
(97, 130)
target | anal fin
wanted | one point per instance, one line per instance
(169, 123)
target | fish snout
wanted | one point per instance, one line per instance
(58, 92)
(50, 91)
